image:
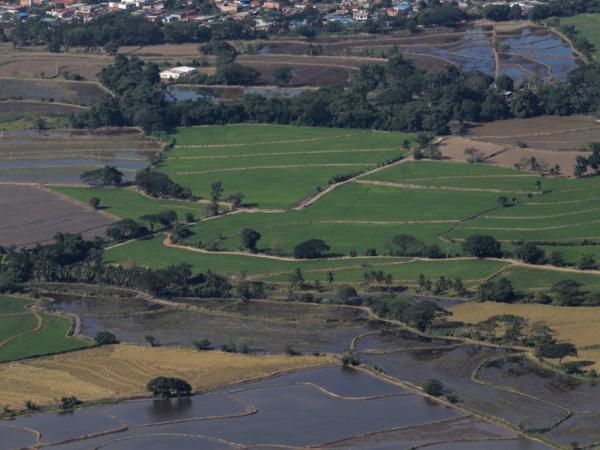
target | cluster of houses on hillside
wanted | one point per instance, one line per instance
(343, 12)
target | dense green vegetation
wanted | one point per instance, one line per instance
(397, 97)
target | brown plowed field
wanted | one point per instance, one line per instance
(32, 215)
(541, 133)
(40, 108)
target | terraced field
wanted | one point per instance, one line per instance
(369, 211)
(566, 213)
(274, 166)
(26, 332)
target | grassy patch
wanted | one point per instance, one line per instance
(529, 280)
(587, 26)
(472, 272)
(129, 204)
(22, 337)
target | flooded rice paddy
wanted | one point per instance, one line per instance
(526, 54)
(327, 408)
(262, 326)
(60, 156)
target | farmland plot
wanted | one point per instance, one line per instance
(76, 92)
(60, 156)
(338, 408)
(26, 332)
(275, 166)
(44, 109)
(34, 215)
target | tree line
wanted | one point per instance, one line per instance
(396, 96)
(70, 259)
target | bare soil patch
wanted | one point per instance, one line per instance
(76, 92)
(566, 160)
(507, 155)
(541, 133)
(454, 147)
(34, 215)
(39, 108)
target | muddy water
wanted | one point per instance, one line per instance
(521, 374)
(182, 327)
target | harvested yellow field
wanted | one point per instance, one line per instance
(579, 325)
(119, 371)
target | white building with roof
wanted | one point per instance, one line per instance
(176, 72)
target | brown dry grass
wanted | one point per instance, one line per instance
(540, 133)
(454, 147)
(578, 325)
(501, 151)
(121, 371)
(566, 160)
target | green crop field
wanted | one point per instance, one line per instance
(465, 176)
(274, 166)
(532, 279)
(129, 204)
(25, 333)
(471, 271)
(354, 217)
(430, 200)
(152, 253)
(572, 253)
(249, 133)
(588, 26)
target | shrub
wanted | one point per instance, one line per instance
(105, 338)
(311, 249)
(202, 344)
(499, 291)
(288, 349)
(350, 359)
(482, 246)
(587, 262)
(345, 293)
(530, 253)
(433, 387)
(166, 387)
(69, 402)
